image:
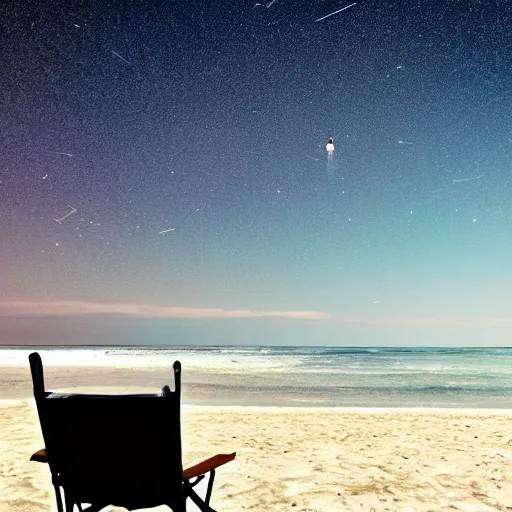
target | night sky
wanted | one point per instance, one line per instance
(190, 139)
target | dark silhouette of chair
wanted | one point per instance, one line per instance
(122, 450)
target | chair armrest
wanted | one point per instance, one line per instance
(40, 456)
(208, 465)
(198, 469)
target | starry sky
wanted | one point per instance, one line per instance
(164, 178)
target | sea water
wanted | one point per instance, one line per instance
(318, 376)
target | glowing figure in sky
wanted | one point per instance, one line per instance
(330, 167)
(330, 148)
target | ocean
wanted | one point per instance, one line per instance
(312, 376)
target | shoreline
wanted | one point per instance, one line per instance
(268, 391)
(278, 409)
(341, 409)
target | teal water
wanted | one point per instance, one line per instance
(327, 376)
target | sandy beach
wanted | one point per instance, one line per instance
(312, 460)
(308, 459)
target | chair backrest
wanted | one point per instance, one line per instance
(114, 449)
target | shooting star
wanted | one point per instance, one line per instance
(166, 231)
(468, 179)
(61, 153)
(336, 12)
(73, 210)
(117, 55)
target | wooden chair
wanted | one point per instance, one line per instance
(122, 450)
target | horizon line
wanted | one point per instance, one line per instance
(475, 347)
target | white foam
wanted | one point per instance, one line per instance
(234, 360)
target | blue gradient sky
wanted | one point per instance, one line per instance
(210, 119)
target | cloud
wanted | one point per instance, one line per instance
(106, 309)
(78, 308)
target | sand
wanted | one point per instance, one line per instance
(309, 459)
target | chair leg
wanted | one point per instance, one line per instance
(201, 505)
(210, 487)
(69, 501)
(58, 496)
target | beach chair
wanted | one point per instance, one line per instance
(122, 450)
